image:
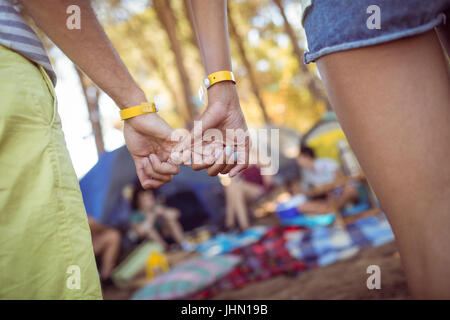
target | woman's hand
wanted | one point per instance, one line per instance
(230, 153)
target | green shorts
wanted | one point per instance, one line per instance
(45, 241)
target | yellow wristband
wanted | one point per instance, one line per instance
(143, 108)
(218, 76)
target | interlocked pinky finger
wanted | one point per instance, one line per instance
(231, 163)
(153, 175)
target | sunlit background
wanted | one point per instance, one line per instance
(270, 79)
(277, 91)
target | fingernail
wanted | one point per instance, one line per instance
(175, 158)
(218, 154)
(228, 150)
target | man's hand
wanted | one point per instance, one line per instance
(148, 138)
(229, 154)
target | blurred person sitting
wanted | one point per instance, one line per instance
(151, 217)
(106, 243)
(316, 175)
(247, 187)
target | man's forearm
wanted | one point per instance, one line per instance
(88, 47)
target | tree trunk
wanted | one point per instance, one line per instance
(251, 74)
(187, 11)
(185, 115)
(167, 19)
(91, 94)
(193, 37)
(155, 65)
(312, 82)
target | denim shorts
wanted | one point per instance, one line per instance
(337, 25)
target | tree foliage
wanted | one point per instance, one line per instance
(283, 85)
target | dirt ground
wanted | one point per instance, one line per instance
(342, 280)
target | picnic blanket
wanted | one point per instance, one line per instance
(289, 215)
(188, 278)
(261, 260)
(310, 221)
(281, 250)
(226, 242)
(322, 246)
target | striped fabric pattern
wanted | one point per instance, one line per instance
(321, 246)
(188, 278)
(17, 35)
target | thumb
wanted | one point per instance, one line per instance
(209, 119)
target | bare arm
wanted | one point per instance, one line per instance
(211, 28)
(96, 227)
(224, 111)
(90, 49)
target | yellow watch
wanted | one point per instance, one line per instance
(143, 108)
(218, 76)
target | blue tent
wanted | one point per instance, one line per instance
(102, 189)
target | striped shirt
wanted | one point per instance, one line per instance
(17, 35)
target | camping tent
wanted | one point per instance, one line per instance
(195, 194)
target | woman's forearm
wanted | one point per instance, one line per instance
(211, 29)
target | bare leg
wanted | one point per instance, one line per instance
(393, 102)
(316, 207)
(153, 234)
(250, 192)
(107, 246)
(239, 205)
(147, 228)
(237, 195)
(176, 230)
(349, 194)
(230, 212)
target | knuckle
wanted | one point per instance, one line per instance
(148, 170)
